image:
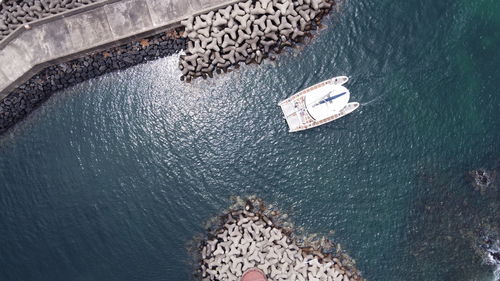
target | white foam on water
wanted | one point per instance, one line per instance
(490, 259)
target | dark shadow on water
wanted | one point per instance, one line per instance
(451, 225)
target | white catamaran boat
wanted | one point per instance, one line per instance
(318, 104)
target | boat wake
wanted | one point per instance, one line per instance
(372, 101)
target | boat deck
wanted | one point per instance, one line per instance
(298, 118)
(297, 115)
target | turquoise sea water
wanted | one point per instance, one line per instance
(111, 179)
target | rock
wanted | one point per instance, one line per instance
(315, 4)
(284, 24)
(294, 20)
(245, 6)
(297, 33)
(232, 32)
(312, 14)
(219, 20)
(266, 3)
(208, 18)
(224, 65)
(243, 51)
(261, 22)
(218, 59)
(227, 41)
(256, 32)
(482, 179)
(196, 48)
(303, 24)
(325, 5)
(269, 9)
(270, 27)
(204, 41)
(242, 37)
(237, 11)
(283, 7)
(253, 42)
(243, 21)
(267, 45)
(226, 12)
(258, 9)
(230, 56)
(219, 37)
(204, 31)
(275, 18)
(199, 24)
(213, 46)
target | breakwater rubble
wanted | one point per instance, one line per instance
(28, 96)
(249, 32)
(251, 235)
(16, 13)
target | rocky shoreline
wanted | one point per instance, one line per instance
(24, 99)
(15, 13)
(252, 235)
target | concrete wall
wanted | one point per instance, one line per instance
(97, 26)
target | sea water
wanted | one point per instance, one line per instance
(112, 179)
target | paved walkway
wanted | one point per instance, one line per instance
(96, 26)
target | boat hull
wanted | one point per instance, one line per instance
(297, 112)
(339, 80)
(350, 107)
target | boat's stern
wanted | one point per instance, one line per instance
(291, 115)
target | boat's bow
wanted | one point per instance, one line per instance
(339, 80)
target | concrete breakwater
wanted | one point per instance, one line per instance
(250, 235)
(28, 96)
(255, 29)
(78, 31)
(15, 13)
(52, 44)
(246, 32)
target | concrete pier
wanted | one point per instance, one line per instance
(97, 26)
